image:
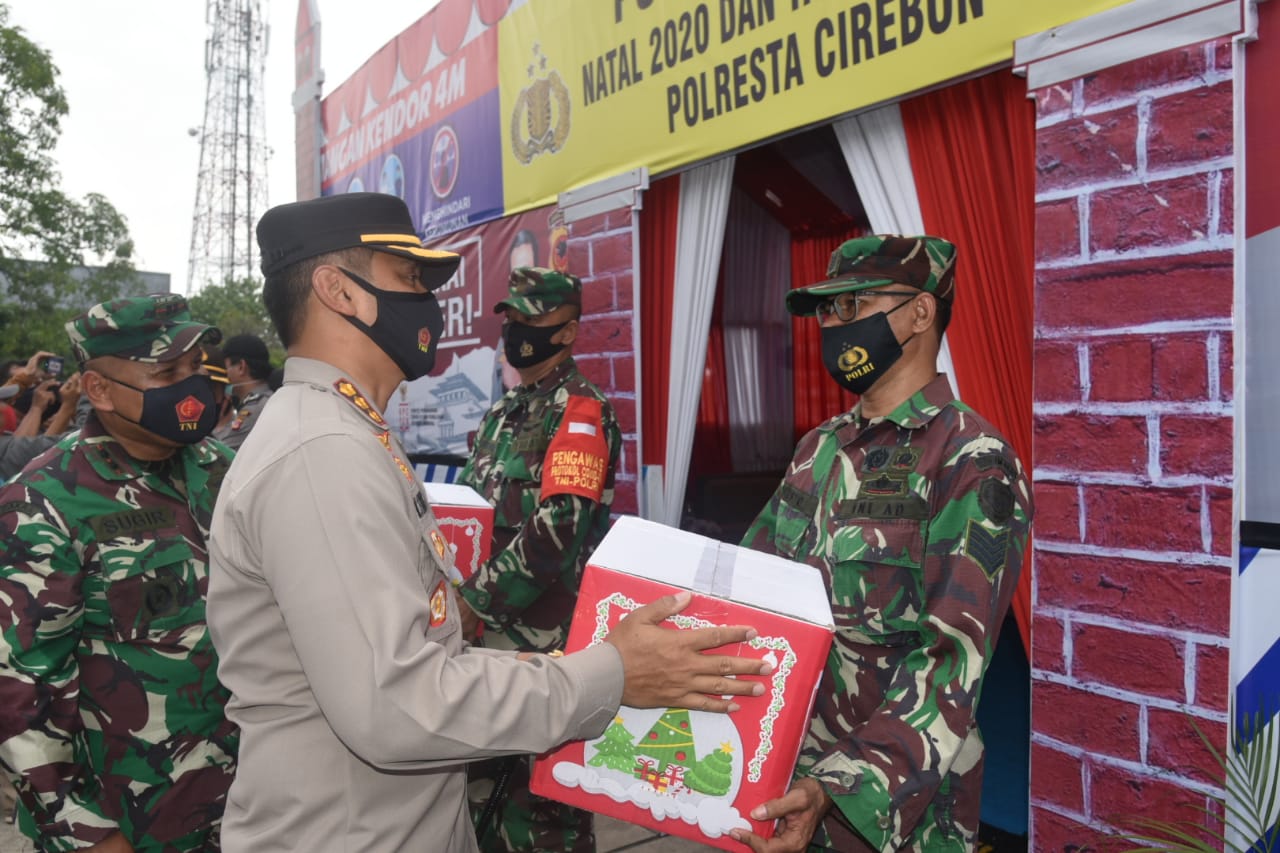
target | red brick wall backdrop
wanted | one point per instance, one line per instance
(600, 253)
(1133, 444)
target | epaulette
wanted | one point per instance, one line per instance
(347, 389)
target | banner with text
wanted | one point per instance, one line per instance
(590, 90)
(435, 414)
(429, 135)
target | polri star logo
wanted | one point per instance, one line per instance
(851, 359)
(540, 120)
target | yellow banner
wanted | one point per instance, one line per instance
(593, 88)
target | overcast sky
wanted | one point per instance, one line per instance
(133, 71)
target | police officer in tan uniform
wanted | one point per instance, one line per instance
(247, 364)
(337, 630)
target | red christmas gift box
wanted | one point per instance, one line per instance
(466, 520)
(692, 773)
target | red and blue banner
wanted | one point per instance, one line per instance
(427, 131)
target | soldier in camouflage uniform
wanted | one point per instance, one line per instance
(916, 511)
(544, 457)
(113, 728)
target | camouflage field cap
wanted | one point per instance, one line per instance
(293, 232)
(150, 328)
(537, 290)
(925, 263)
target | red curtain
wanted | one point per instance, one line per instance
(658, 222)
(814, 395)
(973, 154)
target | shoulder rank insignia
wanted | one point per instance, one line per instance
(437, 542)
(347, 389)
(384, 438)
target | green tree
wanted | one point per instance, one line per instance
(236, 308)
(45, 235)
(617, 751)
(670, 740)
(714, 774)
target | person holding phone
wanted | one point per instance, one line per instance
(51, 366)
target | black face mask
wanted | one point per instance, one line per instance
(184, 412)
(857, 354)
(408, 327)
(527, 345)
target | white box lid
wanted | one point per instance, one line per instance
(454, 494)
(655, 551)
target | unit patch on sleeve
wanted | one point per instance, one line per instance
(439, 605)
(996, 500)
(578, 459)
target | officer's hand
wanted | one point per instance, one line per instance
(667, 669)
(799, 811)
(470, 621)
(113, 843)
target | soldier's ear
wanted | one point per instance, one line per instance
(924, 312)
(567, 335)
(97, 388)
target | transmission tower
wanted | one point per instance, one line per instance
(231, 188)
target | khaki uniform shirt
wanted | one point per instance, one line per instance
(340, 641)
(237, 429)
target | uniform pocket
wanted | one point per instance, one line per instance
(153, 587)
(794, 530)
(876, 579)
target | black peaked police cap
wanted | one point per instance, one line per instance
(293, 232)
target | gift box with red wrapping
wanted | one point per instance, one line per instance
(692, 773)
(466, 520)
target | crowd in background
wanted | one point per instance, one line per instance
(38, 405)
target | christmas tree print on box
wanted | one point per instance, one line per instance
(682, 772)
(687, 765)
(684, 766)
(666, 759)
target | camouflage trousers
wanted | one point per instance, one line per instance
(523, 823)
(941, 830)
